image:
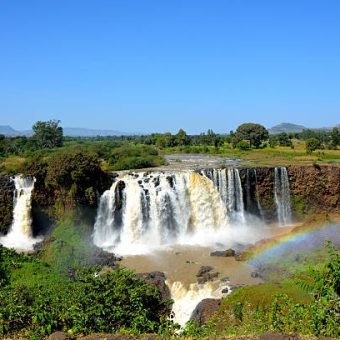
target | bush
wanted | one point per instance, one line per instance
(243, 145)
(38, 301)
(135, 157)
(312, 144)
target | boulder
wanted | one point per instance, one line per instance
(207, 277)
(58, 336)
(157, 279)
(204, 270)
(205, 310)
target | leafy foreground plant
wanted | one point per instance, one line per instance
(254, 310)
(93, 301)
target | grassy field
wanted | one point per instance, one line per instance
(284, 156)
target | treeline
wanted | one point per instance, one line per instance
(49, 135)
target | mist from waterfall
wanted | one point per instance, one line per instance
(282, 196)
(20, 233)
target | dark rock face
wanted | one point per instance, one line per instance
(205, 310)
(157, 279)
(315, 188)
(7, 188)
(223, 253)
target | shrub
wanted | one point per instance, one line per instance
(243, 145)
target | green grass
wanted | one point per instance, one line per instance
(265, 157)
(68, 247)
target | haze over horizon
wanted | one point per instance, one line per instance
(159, 66)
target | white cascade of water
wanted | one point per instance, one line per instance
(229, 185)
(187, 298)
(282, 196)
(160, 209)
(20, 233)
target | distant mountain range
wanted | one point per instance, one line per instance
(72, 132)
(289, 127)
(80, 132)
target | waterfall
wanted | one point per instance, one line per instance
(187, 298)
(158, 209)
(20, 233)
(229, 185)
(282, 196)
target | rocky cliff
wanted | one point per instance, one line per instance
(6, 202)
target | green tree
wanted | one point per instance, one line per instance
(47, 134)
(166, 140)
(255, 133)
(284, 139)
(312, 144)
(335, 137)
(182, 138)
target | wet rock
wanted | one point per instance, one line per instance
(157, 279)
(223, 253)
(204, 270)
(103, 258)
(225, 279)
(255, 275)
(234, 287)
(225, 290)
(207, 277)
(205, 310)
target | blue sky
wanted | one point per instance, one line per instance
(157, 65)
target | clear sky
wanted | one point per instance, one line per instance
(161, 65)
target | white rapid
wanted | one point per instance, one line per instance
(229, 185)
(20, 234)
(158, 209)
(282, 196)
(187, 298)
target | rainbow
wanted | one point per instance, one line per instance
(299, 240)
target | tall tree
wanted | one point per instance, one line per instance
(335, 137)
(254, 133)
(182, 138)
(48, 134)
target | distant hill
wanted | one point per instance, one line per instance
(8, 131)
(80, 132)
(71, 132)
(286, 127)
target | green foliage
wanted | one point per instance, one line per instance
(182, 138)
(255, 133)
(135, 157)
(312, 144)
(311, 307)
(243, 145)
(37, 300)
(67, 247)
(47, 134)
(335, 137)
